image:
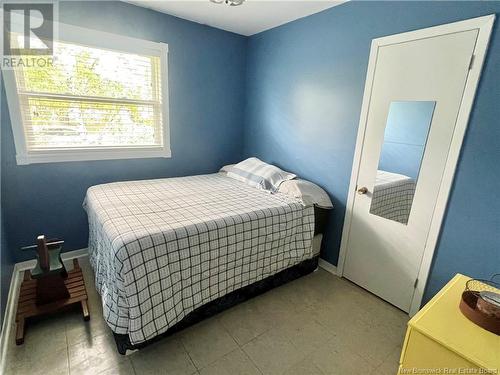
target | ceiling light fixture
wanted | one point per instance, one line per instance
(231, 3)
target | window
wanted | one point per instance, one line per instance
(94, 102)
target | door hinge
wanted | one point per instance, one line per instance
(471, 63)
(415, 284)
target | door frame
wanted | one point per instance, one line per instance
(484, 25)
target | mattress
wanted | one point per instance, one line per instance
(392, 196)
(161, 248)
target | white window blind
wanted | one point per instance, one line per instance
(92, 103)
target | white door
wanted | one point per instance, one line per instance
(416, 94)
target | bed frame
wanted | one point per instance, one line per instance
(223, 303)
(240, 295)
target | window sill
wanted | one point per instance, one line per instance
(56, 156)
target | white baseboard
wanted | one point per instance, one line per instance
(327, 266)
(9, 317)
(10, 308)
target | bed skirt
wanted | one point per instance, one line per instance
(225, 302)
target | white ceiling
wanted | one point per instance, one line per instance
(252, 17)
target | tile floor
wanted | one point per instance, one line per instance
(319, 324)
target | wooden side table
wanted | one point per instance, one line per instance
(27, 304)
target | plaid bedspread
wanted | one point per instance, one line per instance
(393, 196)
(161, 248)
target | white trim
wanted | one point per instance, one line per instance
(111, 41)
(357, 156)
(9, 317)
(10, 308)
(328, 267)
(16, 121)
(484, 25)
(165, 99)
(56, 156)
(103, 40)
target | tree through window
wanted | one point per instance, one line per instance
(91, 97)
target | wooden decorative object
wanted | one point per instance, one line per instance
(49, 288)
(483, 311)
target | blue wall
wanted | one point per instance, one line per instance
(305, 84)
(206, 84)
(405, 137)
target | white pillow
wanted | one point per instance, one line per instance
(259, 174)
(308, 192)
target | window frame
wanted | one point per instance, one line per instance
(102, 40)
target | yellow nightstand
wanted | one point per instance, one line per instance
(440, 340)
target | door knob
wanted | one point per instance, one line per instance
(362, 190)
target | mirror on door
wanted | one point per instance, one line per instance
(406, 131)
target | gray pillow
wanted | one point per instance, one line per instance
(259, 174)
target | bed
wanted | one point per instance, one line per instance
(166, 251)
(392, 196)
